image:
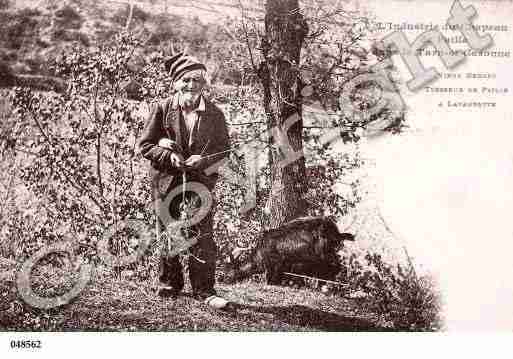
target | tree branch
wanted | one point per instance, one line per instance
(246, 37)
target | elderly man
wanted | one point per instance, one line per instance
(185, 136)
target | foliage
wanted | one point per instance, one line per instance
(409, 302)
(83, 146)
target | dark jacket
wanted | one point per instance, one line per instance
(210, 136)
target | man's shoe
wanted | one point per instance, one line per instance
(216, 302)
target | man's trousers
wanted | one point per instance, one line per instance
(202, 254)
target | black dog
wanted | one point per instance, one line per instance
(306, 245)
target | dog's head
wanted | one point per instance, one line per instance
(331, 233)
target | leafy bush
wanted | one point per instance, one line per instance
(408, 302)
(83, 143)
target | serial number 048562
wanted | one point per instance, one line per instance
(25, 344)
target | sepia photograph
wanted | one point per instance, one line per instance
(255, 166)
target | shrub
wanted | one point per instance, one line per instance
(69, 127)
(408, 301)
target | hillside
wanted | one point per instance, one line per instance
(34, 33)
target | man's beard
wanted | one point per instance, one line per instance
(188, 99)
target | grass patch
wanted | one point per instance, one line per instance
(109, 304)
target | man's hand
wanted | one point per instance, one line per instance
(194, 161)
(177, 160)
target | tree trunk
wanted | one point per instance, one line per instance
(281, 48)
